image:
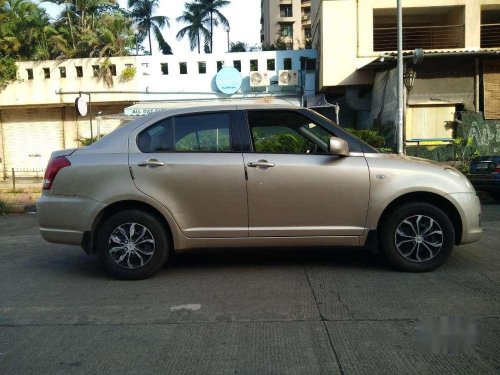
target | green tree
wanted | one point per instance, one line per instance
(210, 11)
(8, 71)
(91, 28)
(115, 36)
(192, 16)
(24, 30)
(238, 47)
(142, 12)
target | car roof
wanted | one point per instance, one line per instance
(191, 108)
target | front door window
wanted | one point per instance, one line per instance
(286, 132)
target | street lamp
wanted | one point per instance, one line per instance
(303, 72)
(227, 29)
(400, 88)
(409, 78)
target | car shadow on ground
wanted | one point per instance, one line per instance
(337, 257)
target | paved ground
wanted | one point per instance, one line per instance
(258, 312)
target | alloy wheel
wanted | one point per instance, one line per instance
(418, 238)
(131, 245)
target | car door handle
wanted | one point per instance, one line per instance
(151, 163)
(260, 163)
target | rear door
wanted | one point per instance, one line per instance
(295, 187)
(193, 165)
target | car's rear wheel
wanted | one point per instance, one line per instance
(132, 245)
(417, 237)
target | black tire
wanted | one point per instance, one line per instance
(160, 248)
(428, 262)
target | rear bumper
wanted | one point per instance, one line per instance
(64, 236)
(64, 219)
(469, 209)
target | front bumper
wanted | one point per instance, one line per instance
(64, 219)
(469, 208)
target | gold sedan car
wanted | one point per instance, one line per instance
(249, 176)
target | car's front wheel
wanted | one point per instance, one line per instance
(417, 237)
(132, 245)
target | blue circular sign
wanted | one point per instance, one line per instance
(228, 80)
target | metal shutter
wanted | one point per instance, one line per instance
(30, 136)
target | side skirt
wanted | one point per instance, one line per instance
(331, 241)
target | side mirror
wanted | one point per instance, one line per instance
(338, 147)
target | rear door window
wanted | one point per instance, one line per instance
(206, 132)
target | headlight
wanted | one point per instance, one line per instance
(460, 176)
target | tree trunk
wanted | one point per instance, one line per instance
(199, 51)
(149, 38)
(211, 32)
(70, 27)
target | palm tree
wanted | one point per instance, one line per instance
(115, 37)
(24, 30)
(238, 47)
(192, 16)
(81, 27)
(142, 13)
(68, 20)
(210, 11)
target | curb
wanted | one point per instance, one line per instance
(21, 208)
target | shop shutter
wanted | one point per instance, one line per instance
(491, 82)
(30, 136)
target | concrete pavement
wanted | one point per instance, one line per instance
(307, 311)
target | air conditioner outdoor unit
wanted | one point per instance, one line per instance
(259, 79)
(288, 78)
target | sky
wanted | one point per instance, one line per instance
(243, 17)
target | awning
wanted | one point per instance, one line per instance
(386, 60)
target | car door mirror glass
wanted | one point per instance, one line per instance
(338, 146)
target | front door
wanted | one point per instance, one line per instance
(191, 165)
(295, 187)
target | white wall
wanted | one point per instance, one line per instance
(42, 91)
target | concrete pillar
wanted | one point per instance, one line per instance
(473, 25)
(70, 127)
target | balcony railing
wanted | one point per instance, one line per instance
(425, 37)
(490, 35)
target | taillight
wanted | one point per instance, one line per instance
(497, 168)
(55, 165)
